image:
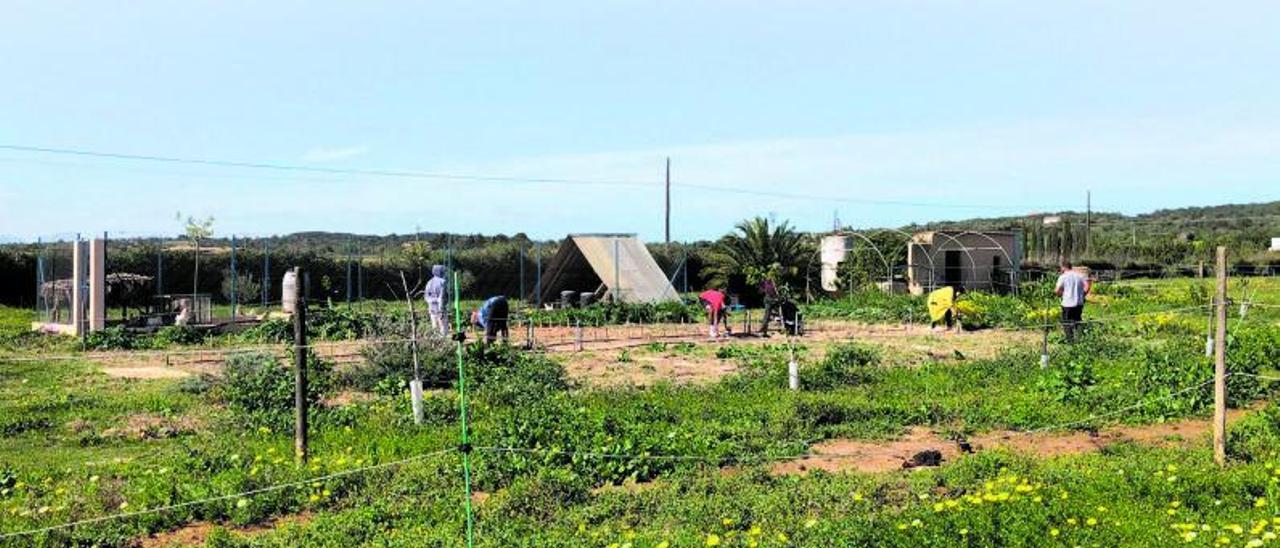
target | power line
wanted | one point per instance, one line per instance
(312, 169)
(485, 178)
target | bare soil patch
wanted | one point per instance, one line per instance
(145, 372)
(145, 427)
(599, 363)
(195, 534)
(876, 457)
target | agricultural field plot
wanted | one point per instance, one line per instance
(692, 359)
(670, 442)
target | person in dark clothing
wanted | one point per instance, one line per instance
(772, 303)
(492, 317)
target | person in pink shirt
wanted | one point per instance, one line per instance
(714, 301)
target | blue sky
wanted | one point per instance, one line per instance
(960, 108)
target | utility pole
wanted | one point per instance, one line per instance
(668, 217)
(1220, 364)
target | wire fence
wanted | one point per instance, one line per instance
(561, 333)
(231, 496)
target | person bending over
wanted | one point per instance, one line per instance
(492, 318)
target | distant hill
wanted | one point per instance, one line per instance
(1165, 236)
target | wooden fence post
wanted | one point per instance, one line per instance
(1220, 364)
(300, 371)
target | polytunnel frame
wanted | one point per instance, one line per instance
(966, 249)
(862, 235)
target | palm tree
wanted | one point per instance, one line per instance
(758, 250)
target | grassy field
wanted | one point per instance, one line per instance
(559, 461)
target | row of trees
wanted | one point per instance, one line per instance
(756, 249)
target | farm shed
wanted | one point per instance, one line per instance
(612, 266)
(963, 259)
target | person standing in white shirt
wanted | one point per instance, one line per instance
(1072, 286)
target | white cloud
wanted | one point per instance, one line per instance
(321, 154)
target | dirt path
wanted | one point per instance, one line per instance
(602, 362)
(873, 457)
(186, 362)
(598, 363)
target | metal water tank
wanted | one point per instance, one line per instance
(567, 298)
(585, 298)
(289, 291)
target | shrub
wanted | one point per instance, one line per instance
(845, 365)
(869, 305)
(541, 496)
(393, 360)
(260, 390)
(111, 338)
(1165, 369)
(334, 323)
(272, 330)
(504, 374)
(615, 313)
(1069, 382)
(197, 384)
(1256, 437)
(246, 287)
(179, 335)
(979, 310)
(1250, 348)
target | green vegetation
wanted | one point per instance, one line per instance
(757, 250)
(572, 464)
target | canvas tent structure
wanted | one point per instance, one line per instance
(616, 267)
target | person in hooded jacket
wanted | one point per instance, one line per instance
(435, 295)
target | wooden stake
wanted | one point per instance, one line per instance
(415, 386)
(1220, 364)
(300, 372)
(577, 336)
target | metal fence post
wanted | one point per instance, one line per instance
(348, 272)
(234, 280)
(160, 268)
(537, 285)
(266, 273)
